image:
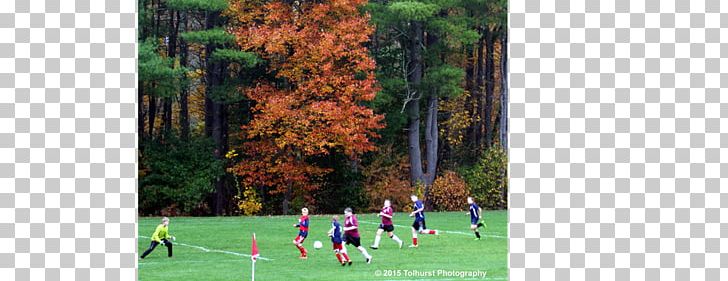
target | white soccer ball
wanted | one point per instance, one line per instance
(317, 245)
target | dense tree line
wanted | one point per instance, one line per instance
(263, 106)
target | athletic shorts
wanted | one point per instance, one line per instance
(474, 221)
(419, 225)
(299, 239)
(351, 240)
(387, 228)
(338, 247)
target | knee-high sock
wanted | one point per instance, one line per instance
(338, 257)
(364, 252)
(301, 249)
(346, 257)
(477, 234)
(376, 240)
(396, 239)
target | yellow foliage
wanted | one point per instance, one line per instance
(249, 202)
(453, 128)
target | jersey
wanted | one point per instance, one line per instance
(349, 222)
(336, 236)
(302, 226)
(474, 211)
(387, 211)
(162, 232)
(419, 205)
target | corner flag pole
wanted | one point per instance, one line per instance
(254, 256)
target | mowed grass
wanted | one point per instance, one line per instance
(216, 248)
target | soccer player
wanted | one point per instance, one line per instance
(339, 249)
(475, 217)
(351, 233)
(160, 236)
(386, 225)
(302, 233)
(419, 224)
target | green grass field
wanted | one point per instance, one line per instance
(218, 248)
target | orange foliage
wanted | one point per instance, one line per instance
(449, 192)
(387, 177)
(318, 50)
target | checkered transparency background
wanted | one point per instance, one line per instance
(67, 140)
(616, 133)
(617, 140)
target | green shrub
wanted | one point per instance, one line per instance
(488, 179)
(176, 176)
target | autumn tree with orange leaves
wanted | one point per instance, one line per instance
(312, 105)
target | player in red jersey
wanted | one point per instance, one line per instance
(302, 226)
(386, 225)
(351, 233)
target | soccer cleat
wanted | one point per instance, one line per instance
(400, 244)
(350, 263)
(373, 248)
(477, 239)
(303, 257)
(413, 246)
(343, 264)
(369, 260)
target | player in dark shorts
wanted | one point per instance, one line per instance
(474, 212)
(386, 225)
(351, 233)
(418, 226)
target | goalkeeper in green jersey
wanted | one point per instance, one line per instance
(161, 236)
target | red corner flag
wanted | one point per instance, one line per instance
(254, 255)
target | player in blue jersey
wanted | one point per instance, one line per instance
(418, 226)
(339, 249)
(474, 212)
(302, 226)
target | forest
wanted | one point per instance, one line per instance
(261, 107)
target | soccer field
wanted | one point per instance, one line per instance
(218, 248)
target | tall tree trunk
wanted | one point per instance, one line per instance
(431, 130)
(479, 93)
(167, 116)
(152, 114)
(140, 112)
(471, 73)
(504, 112)
(213, 110)
(489, 86)
(171, 53)
(184, 113)
(431, 139)
(157, 16)
(413, 106)
(504, 92)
